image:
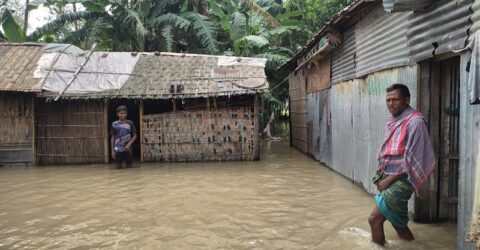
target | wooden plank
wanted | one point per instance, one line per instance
(256, 148)
(34, 148)
(106, 140)
(141, 108)
(208, 103)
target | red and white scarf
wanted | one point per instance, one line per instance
(408, 147)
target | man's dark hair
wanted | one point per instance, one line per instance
(122, 108)
(403, 89)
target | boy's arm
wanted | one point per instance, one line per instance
(129, 144)
(112, 142)
(134, 136)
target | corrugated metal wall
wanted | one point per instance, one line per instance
(405, 5)
(343, 59)
(469, 158)
(381, 40)
(439, 29)
(358, 121)
(475, 18)
(319, 115)
(298, 110)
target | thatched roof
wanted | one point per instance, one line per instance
(157, 75)
(17, 64)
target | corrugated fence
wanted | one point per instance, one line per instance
(358, 120)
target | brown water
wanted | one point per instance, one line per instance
(284, 201)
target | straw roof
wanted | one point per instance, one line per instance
(172, 75)
(17, 63)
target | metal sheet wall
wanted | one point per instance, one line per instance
(358, 121)
(439, 29)
(381, 40)
(405, 5)
(343, 59)
(319, 115)
(298, 110)
(475, 18)
(469, 159)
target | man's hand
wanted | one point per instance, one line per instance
(383, 184)
(114, 156)
(127, 147)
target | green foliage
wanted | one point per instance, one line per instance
(12, 31)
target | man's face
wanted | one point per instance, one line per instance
(396, 103)
(122, 115)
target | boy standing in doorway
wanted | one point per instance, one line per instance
(123, 134)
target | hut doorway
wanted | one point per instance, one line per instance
(133, 115)
(449, 127)
(444, 114)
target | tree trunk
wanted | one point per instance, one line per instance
(25, 20)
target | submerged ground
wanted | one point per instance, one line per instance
(284, 201)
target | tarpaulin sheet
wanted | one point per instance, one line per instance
(102, 71)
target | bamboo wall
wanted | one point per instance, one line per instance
(70, 132)
(16, 128)
(220, 134)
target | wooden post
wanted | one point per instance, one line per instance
(208, 103)
(174, 104)
(106, 140)
(140, 130)
(34, 151)
(256, 111)
(214, 103)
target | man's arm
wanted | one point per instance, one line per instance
(385, 183)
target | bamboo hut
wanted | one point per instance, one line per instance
(186, 107)
(17, 88)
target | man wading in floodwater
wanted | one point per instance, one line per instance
(406, 160)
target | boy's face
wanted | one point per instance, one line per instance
(122, 115)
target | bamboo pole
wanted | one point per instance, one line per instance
(34, 151)
(106, 143)
(256, 148)
(140, 130)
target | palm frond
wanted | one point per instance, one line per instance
(167, 33)
(273, 60)
(61, 20)
(171, 19)
(252, 5)
(205, 30)
(12, 30)
(134, 19)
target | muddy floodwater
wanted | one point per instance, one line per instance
(284, 201)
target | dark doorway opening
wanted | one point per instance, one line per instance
(444, 121)
(133, 115)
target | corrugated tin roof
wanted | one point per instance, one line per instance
(343, 59)
(475, 18)
(17, 63)
(406, 5)
(439, 29)
(381, 41)
(342, 15)
(170, 75)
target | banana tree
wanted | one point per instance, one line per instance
(12, 31)
(143, 25)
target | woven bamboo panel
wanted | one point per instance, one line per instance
(16, 127)
(69, 132)
(220, 135)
